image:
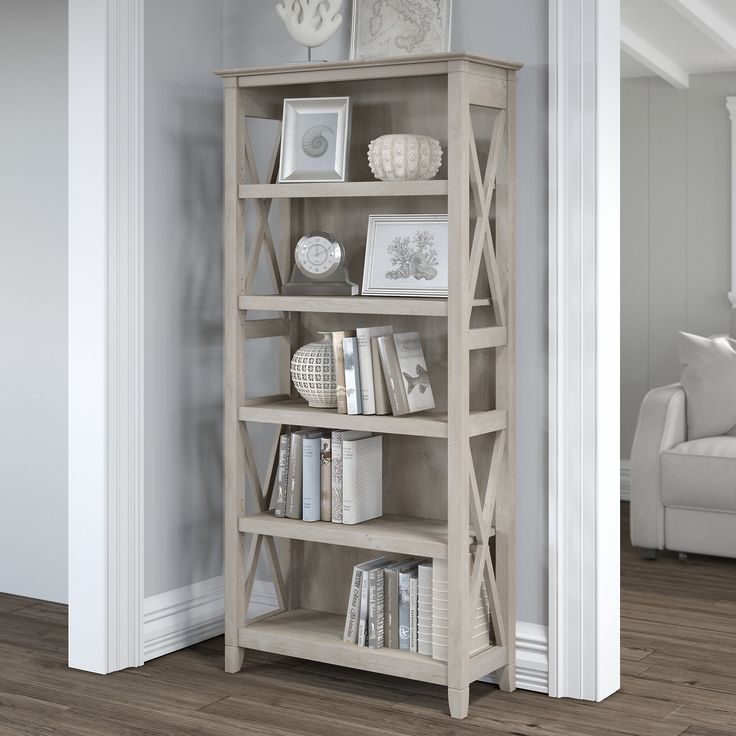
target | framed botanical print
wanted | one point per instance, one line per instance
(406, 255)
(386, 28)
(315, 139)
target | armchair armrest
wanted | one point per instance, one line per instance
(661, 426)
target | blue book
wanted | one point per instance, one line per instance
(311, 476)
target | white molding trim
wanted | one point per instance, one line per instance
(653, 59)
(532, 661)
(584, 348)
(625, 480)
(731, 107)
(105, 334)
(185, 616)
(708, 22)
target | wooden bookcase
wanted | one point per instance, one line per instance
(449, 474)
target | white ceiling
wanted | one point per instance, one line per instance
(675, 38)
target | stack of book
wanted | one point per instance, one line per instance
(379, 372)
(404, 605)
(329, 476)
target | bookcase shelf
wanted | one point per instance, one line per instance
(399, 534)
(424, 424)
(317, 635)
(452, 500)
(294, 190)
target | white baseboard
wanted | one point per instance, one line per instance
(532, 662)
(182, 617)
(179, 618)
(626, 480)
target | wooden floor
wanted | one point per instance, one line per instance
(678, 667)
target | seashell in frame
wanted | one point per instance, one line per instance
(314, 143)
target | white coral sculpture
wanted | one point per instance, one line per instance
(310, 22)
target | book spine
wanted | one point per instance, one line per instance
(413, 598)
(282, 476)
(310, 479)
(294, 491)
(337, 338)
(363, 623)
(392, 375)
(365, 360)
(424, 610)
(391, 609)
(375, 608)
(404, 623)
(325, 488)
(383, 404)
(353, 610)
(349, 482)
(352, 375)
(337, 477)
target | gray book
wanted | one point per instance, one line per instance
(391, 601)
(383, 404)
(354, 609)
(392, 375)
(376, 603)
(337, 338)
(414, 374)
(311, 476)
(405, 577)
(365, 358)
(325, 474)
(336, 510)
(352, 375)
(282, 475)
(413, 600)
(294, 484)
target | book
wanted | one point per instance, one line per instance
(282, 475)
(383, 405)
(325, 488)
(362, 477)
(311, 476)
(391, 604)
(294, 483)
(392, 375)
(424, 609)
(375, 607)
(352, 617)
(352, 375)
(337, 476)
(414, 373)
(365, 358)
(405, 577)
(413, 598)
(337, 338)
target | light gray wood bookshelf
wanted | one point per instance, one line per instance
(449, 478)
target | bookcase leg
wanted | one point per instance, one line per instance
(233, 659)
(507, 678)
(458, 700)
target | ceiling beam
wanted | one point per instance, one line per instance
(653, 59)
(709, 22)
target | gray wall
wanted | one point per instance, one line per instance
(33, 298)
(675, 227)
(183, 293)
(254, 35)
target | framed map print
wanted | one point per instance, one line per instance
(385, 28)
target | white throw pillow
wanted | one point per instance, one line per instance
(709, 380)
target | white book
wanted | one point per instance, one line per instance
(362, 477)
(365, 358)
(352, 375)
(414, 373)
(413, 614)
(424, 624)
(311, 476)
(355, 602)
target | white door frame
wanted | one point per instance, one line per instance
(106, 341)
(584, 349)
(105, 334)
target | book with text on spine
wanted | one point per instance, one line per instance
(352, 616)
(325, 489)
(311, 476)
(282, 475)
(392, 375)
(365, 357)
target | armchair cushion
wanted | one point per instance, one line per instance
(700, 474)
(709, 380)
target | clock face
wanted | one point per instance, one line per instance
(318, 255)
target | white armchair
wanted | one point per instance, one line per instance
(683, 493)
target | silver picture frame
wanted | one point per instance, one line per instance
(315, 139)
(406, 255)
(380, 30)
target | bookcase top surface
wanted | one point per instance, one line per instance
(398, 66)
